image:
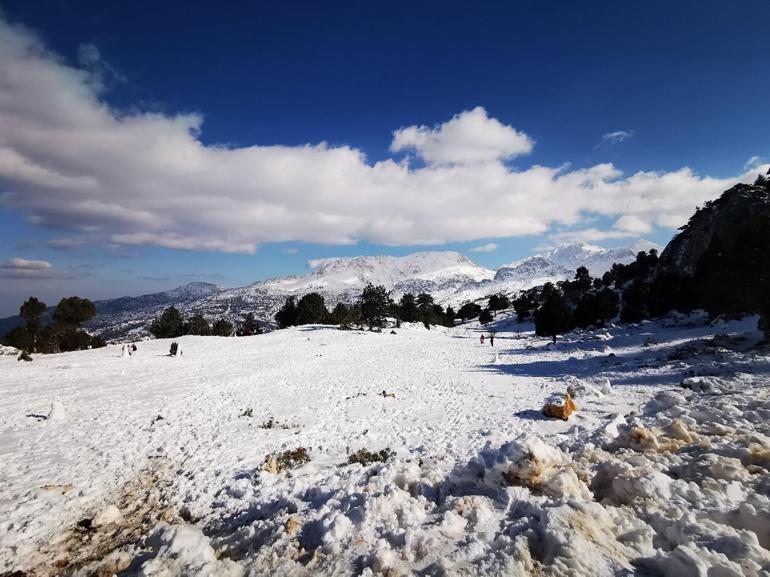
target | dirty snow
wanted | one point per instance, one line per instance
(154, 465)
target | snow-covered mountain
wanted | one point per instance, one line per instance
(452, 278)
(596, 259)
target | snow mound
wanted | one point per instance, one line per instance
(178, 550)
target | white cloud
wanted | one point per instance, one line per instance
(67, 160)
(471, 136)
(633, 224)
(489, 247)
(588, 235)
(616, 137)
(24, 268)
(290, 251)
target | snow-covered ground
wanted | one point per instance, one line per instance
(155, 465)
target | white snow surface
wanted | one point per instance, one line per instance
(153, 465)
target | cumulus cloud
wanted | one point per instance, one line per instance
(616, 137)
(69, 161)
(471, 136)
(489, 247)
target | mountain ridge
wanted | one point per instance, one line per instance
(452, 278)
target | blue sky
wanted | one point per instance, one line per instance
(675, 90)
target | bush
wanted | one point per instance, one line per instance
(249, 327)
(365, 457)
(485, 317)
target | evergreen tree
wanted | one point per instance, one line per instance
(636, 299)
(32, 312)
(407, 308)
(553, 317)
(595, 309)
(168, 325)
(498, 302)
(524, 304)
(583, 281)
(450, 316)
(469, 311)
(311, 309)
(427, 311)
(196, 325)
(73, 312)
(485, 317)
(374, 306)
(249, 326)
(222, 328)
(287, 315)
(340, 315)
(20, 338)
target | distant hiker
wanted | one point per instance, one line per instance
(492, 339)
(133, 347)
(481, 338)
(124, 350)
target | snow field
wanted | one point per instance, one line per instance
(646, 476)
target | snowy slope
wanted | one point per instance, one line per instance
(164, 456)
(596, 259)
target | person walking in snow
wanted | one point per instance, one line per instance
(492, 339)
(481, 339)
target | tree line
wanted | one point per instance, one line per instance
(370, 310)
(171, 324)
(375, 305)
(62, 333)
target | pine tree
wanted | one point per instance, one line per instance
(168, 325)
(553, 317)
(469, 311)
(287, 314)
(485, 317)
(311, 309)
(73, 312)
(340, 315)
(374, 306)
(197, 325)
(32, 312)
(407, 308)
(222, 328)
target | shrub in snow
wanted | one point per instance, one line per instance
(24, 356)
(365, 457)
(287, 460)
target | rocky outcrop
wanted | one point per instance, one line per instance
(717, 217)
